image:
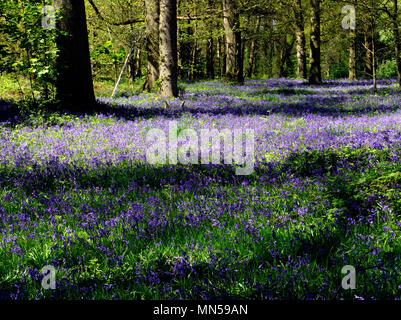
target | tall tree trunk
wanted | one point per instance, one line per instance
(218, 56)
(210, 49)
(193, 61)
(138, 64)
(315, 76)
(300, 40)
(285, 56)
(281, 60)
(74, 86)
(352, 55)
(374, 58)
(168, 48)
(368, 69)
(210, 57)
(397, 41)
(223, 56)
(152, 42)
(132, 68)
(252, 50)
(234, 64)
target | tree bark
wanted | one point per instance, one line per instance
(210, 49)
(138, 62)
(152, 43)
(374, 76)
(352, 55)
(397, 47)
(252, 50)
(368, 69)
(193, 61)
(234, 64)
(300, 40)
(222, 53)
(132, 69)
(168, 48)
(315, 76)
(135, 66)
(210, 57)
(74, 86)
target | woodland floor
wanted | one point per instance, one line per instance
(77, 193)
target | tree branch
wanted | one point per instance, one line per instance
(121, 23)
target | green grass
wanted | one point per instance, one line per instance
(280, 254)
(318, 236)
(16, 87)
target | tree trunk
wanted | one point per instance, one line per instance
(352, 55)
(397, 41)
(315, 76)
(210, 49)
(74, 86)
(152, 43)
(168, 48)
(281, 60)
(138, 63)
(193, 61)
(300, 40)
(210, 57)
(374, 58)
(132, 69)
(234, 70)
(135, 66)
(252, 50)
(222, 56)
(368, 53)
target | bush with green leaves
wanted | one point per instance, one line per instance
(107, 54)
(29, 48)
(338, 71)
(387, 70)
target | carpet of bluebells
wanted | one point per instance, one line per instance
(77, 193)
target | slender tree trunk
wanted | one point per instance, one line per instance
(168, 48)
(300, 40)
(210, 49)
(368, 70)
(234, 59)
(374, 58)
(210, 57)
(152, 42)
(352, 55)
(193, 61)
(281, 61)
(132, 69)
(252, 50)
(74, 86)
(284, 61)
(135, 66)
(138, 64)
(315, 76)
(241, 59)
(269, 52)
(223, 56)
(397, 41)
(218, 56)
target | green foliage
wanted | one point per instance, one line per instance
(107, 54)
(338, 71)
(387, 70)
(386, 36)
(30, 48)
(107, 50)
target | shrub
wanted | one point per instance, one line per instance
(387, 70)
(338, 71)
